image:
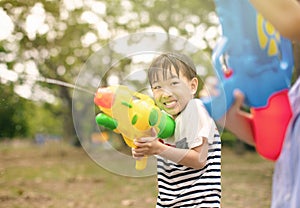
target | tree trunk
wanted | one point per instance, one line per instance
(69, 132)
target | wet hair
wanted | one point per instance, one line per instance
(166, 61)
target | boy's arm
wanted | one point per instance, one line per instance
(194, 158)
(237, 121)
(283, 14)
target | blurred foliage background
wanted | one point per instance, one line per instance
(53, 40)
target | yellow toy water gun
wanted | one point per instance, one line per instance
(132, 115)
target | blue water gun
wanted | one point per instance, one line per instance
(253, 57)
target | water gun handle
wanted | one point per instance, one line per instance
(140, 164)
(110, 123)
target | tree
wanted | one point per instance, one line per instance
(53, 39)
(12, 120)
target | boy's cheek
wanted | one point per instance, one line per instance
(160, 105)
(156, 100)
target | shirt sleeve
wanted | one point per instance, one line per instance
(193, 124)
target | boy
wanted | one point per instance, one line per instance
(188, 164)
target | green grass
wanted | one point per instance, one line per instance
(59, 175)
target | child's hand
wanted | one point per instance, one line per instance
(238, 121)
(239, 100)
(138, 152)
(146, 145)
(235, 109)
(136, 155)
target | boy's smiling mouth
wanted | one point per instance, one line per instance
(170, 104)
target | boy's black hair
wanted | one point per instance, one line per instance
(165, 62)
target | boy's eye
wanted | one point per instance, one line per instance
(174, 83)
(156, 87)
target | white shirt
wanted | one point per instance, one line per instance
(181, 186)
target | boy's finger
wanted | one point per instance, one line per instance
(146, 139)
(239, 98)
(153, 132)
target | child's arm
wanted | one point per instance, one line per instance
(194, 158)
(283, 14)
(238, 121)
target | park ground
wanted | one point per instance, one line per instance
(59, 175)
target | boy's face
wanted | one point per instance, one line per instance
(173, 94)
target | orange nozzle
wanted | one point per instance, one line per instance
(104, 97)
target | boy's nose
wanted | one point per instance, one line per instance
(166, 93)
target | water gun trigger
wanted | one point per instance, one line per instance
(129, 142)
(141, 163)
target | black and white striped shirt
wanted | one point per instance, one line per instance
(181, 186)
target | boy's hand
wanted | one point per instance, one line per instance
(239, 100)
(146, 146)
(235, 109)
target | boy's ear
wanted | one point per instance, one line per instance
(194, 85)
